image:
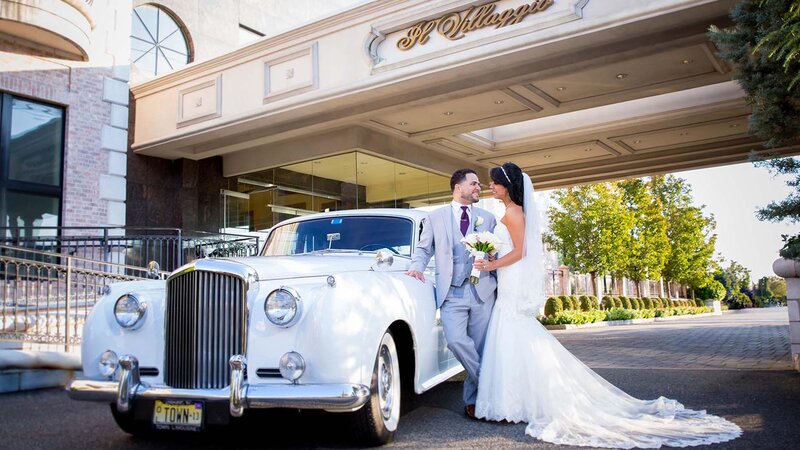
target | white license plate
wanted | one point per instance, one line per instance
(187, 416)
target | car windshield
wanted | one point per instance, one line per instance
(354, 233)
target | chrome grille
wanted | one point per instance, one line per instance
(205, 321)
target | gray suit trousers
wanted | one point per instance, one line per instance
(465, 319)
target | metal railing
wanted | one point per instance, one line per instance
(48, 299)
(133, 246)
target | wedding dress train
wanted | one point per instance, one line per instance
(528, 376)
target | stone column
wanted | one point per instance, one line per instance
(565, 287)
(790, 271)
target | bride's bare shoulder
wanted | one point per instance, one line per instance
(513, 217)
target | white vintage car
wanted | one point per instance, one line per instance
(324, 319)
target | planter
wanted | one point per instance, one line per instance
(790, 270)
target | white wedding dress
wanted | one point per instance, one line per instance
(528, 376)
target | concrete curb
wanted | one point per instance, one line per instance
(24, 359)
(612, 323)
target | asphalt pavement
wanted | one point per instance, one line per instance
(735, 366)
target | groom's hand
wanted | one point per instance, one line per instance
(417, 275)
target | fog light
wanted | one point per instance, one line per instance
(108, 363)
(292, 366)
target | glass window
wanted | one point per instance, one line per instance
(352, 180)
(355, 233)
(25, 211)
(31, 160)
(34, 152)
(158, 45)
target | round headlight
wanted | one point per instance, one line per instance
(292, 366)
(129, 311)
(282, 306)
(108, 363)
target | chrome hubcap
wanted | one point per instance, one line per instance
(385, 382)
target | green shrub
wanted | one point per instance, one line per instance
(565, 303)
(699, 303)
(647, 302)
(553, 306)
(620, 314)
(593, 301)
(576, 304)
(573, 317)
(666, 303)
(656, 302)
(645, 313)
(588, 303)
(626, 303)
(617, 302)
(607, 303)
(739, 300)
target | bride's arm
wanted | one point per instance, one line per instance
(515, 222)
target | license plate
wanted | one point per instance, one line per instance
(178, 415)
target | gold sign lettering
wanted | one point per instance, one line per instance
(456, 24)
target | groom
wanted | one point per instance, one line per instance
(466, 307)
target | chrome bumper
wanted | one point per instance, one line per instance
(239, 395)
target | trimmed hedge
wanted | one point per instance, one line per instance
(607, 303)
(553, 306)
(648, 303)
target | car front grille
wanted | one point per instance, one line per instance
(205, 319)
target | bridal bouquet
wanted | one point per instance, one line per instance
(479, 245)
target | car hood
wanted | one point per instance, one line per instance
(278, 267)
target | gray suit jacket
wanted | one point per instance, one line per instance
(437, 240)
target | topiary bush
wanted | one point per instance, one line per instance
(607, 303)
(576, 304)
(699, 303)
(553, 306)
(647, 302)
(565, 303)
(635, 303)
(588, 303)
(626, 302)
(593, 301)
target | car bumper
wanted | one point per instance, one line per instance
(239, 395)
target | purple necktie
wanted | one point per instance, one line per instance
(464, 221)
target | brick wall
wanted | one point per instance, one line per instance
(95, 95)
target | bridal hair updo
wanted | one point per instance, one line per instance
(509, 175)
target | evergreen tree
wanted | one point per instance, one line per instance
(764, 45)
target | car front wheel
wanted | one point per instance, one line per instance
(377, 420)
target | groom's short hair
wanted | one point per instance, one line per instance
(459, 176)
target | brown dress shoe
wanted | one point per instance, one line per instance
(469, 410)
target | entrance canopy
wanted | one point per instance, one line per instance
(573, 91)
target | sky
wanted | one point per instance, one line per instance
(733, 194)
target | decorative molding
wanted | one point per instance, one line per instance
(522, 100)
(374, 40)
(306, 55)
(452, 148)
(541, 94)
(186, 118)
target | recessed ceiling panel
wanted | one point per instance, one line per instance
(630, 74)
(452, 112)
(678, 136)
(556, 155)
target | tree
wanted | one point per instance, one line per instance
(589, 227)
(771, 287)
(648, 245)
(764, 45)
(690, 233)
(714, 290)
(735, 278)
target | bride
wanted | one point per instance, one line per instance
(527, 376)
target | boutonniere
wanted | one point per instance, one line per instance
(478, 222)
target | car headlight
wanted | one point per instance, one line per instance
(129, 311)
(292, 366)
(282, 306)
(108, 363)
